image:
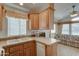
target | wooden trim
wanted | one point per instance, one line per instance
(33, 13)
(17, 15)
(49, 7)
(46, 9)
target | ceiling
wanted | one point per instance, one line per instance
(62, 10)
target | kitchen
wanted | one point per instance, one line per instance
(41, 29)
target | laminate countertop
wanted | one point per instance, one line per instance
(43, 40)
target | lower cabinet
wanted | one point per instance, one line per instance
(23, 49)
(31, 48)
(46, 50)
(27, 52)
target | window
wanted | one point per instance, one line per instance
(65, 29)
(13, 26)
(22, 26)
(16, 26)
(54, 30)
(75, 29)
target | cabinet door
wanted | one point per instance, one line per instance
(27, 52)
(43, 20)
(14, 50)
(2, 16)
(51, 18)
(36, 21)
(24, 49)
(1, 11)
(7, 52)
(30, 48)
(32, 21)
(1, 21)
(40, 49)
(33, 50)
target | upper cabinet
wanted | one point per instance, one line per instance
(43, 20)
(46, 18)
(2, 14)
(34, 21)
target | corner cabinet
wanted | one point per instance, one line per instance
(42, 20)
(46, 19)
(34, 21)
(46, 50)
(31, 48)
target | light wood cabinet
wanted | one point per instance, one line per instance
(43, 20)
(46, 19)
(1, 21)
(34, 21)
(2, 15)
(1, 12)
(46, 50)
(21, 49)
(51, 50)
(31, 48)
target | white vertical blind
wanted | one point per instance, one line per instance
(65, 29)
(22, 26)
(54, 30)
(75, 29)
(13, 26)
(16, 26)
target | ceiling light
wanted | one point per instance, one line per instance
(21, 3)
(75, 19)
(74, 13)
